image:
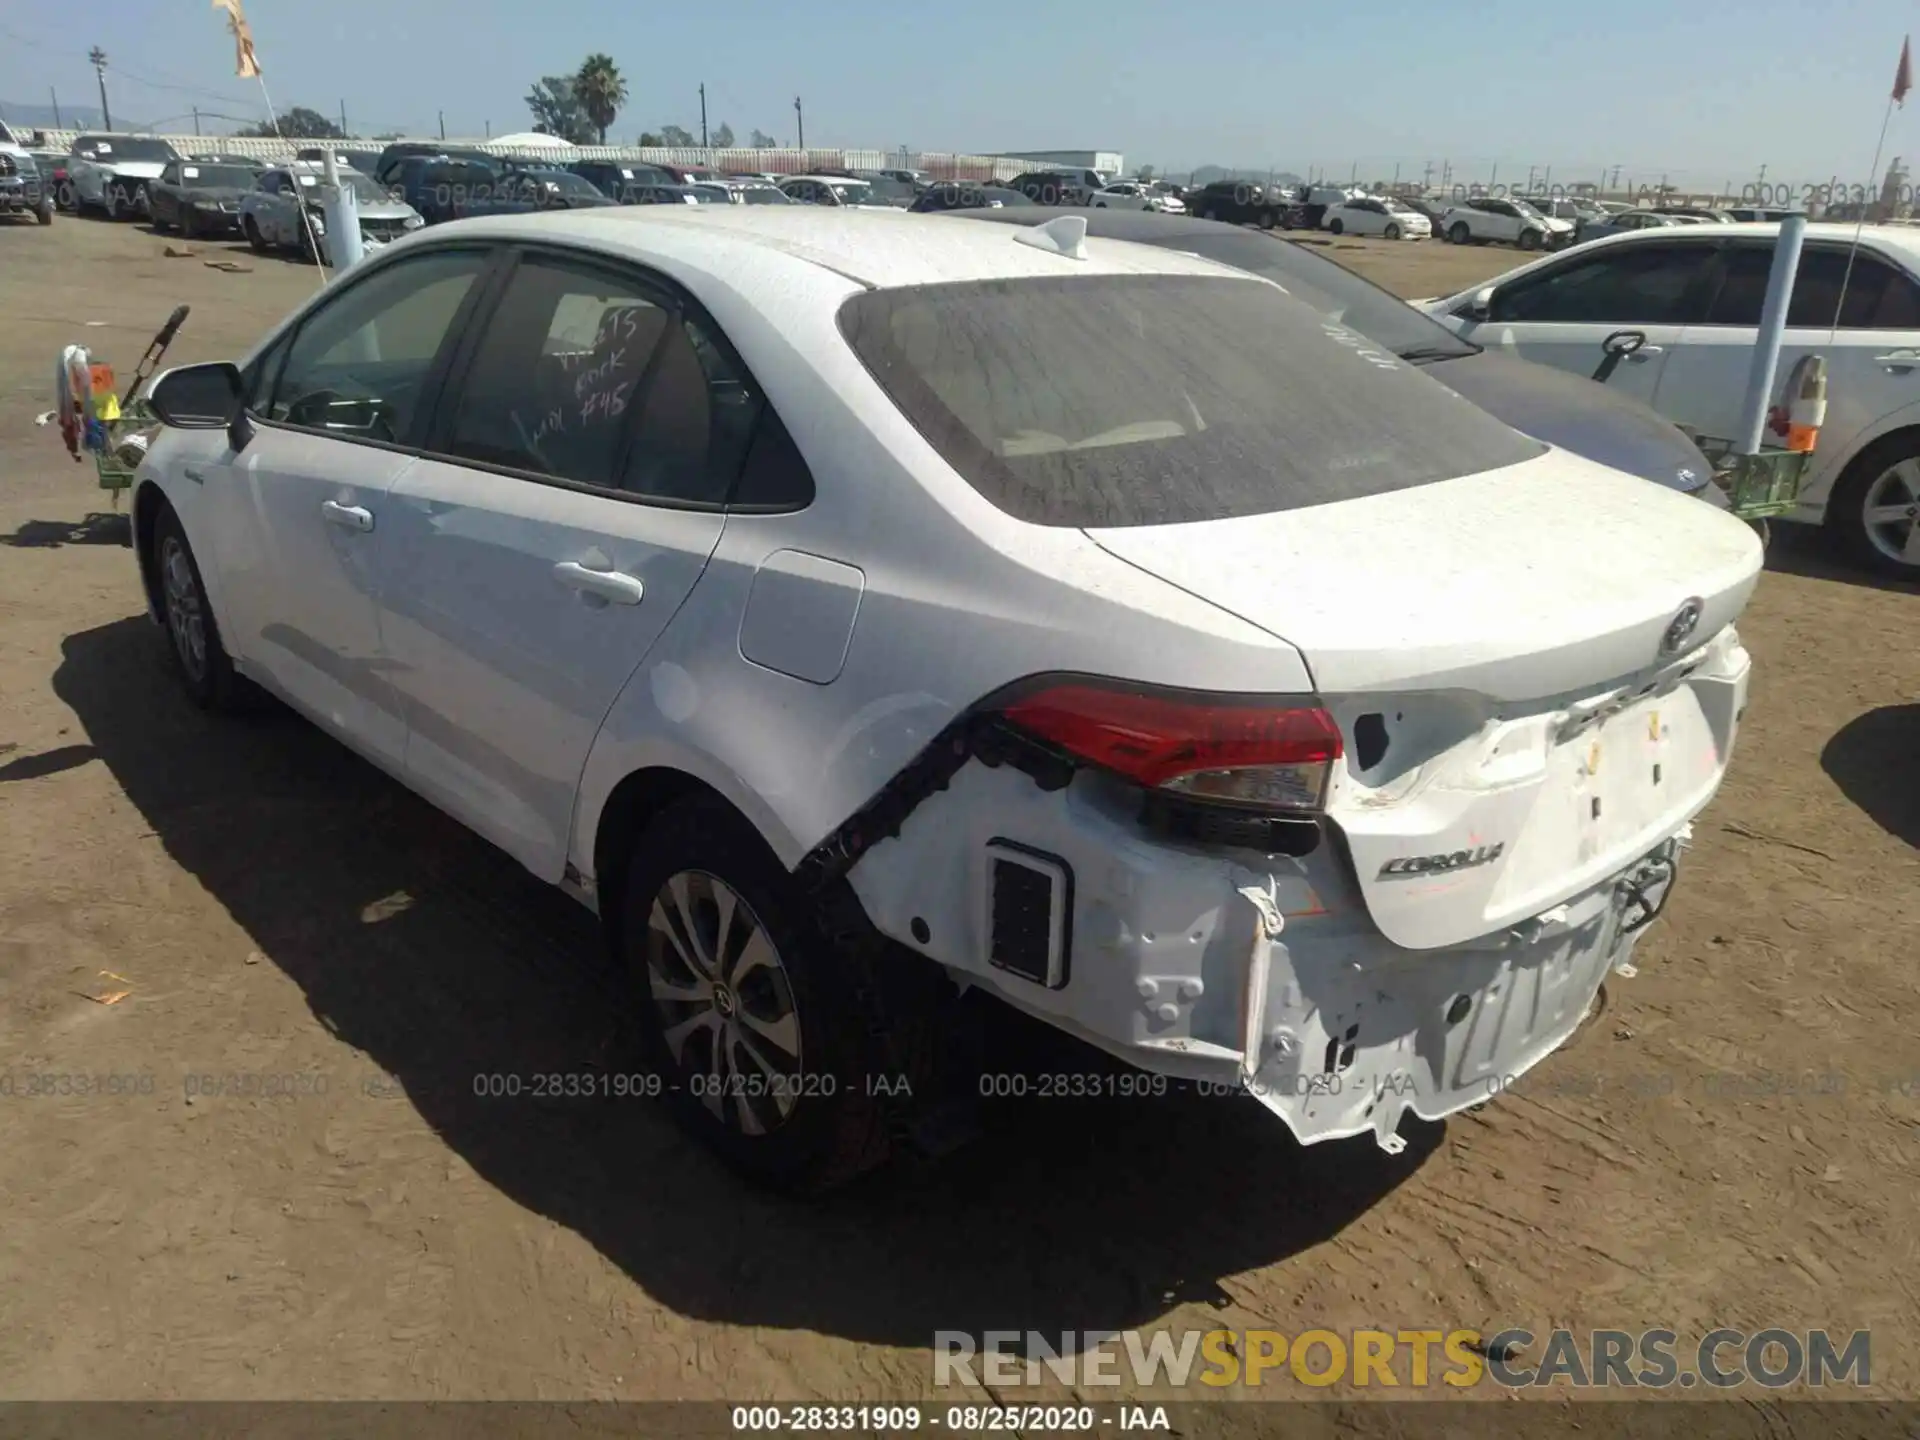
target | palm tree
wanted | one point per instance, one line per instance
(602, 91)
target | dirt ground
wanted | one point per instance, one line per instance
(1735, 1141)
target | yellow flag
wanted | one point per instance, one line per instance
(246, 63)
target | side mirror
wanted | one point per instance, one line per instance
(1480, 307)
(198, 397)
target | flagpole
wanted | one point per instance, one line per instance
(247, 63)
(300, 203)
(1901, 80)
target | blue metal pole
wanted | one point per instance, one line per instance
(1773, 329)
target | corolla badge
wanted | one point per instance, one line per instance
(1406, 867)
(1680, 629)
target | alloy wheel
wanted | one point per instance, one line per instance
(1890, 512)
(724, 1001)
(186, 616)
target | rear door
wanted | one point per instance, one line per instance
(572, 496)
(1559, 314)
(1873, 357)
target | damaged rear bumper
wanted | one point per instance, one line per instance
(1338, 1044)
(1262, 974)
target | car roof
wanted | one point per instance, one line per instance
(1890, 236)
(882, 249)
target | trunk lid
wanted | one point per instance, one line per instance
(1551, 577)
(1534, 669)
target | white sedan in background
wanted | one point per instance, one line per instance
(1695, 292)
(1123, 195)
(855, 608)
(1376, 215)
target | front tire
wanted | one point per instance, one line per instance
(1392, 232)
(1459, 234)
(1337, 227)
(764, 1041)
(45, 213)
(1529, 239)
(205, 668)
(1266, 219)
(1875, 509)
(255, 240)
(189, 226)
(116, 202)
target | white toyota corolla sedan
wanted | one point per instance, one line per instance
(820, 594)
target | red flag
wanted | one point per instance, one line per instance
(1903, 77)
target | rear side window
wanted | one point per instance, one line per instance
(1877, 296)
(1161, 399)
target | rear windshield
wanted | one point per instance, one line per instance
(1113, 400)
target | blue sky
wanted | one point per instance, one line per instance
(1379, 83)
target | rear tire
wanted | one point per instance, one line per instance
(755, 1025)
(1337, 227)
(1266, 219)
(205, 668)
(1875, 508)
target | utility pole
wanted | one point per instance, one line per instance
(56, 108)
(443, 124)
(99, 59)
(703, 116)
(196, 122)
(343, 118)
(800, 123)
(489, 125)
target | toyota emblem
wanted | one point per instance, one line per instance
(1680, 629)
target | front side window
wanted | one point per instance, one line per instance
(1162, 399)
(359, 362)
(1640, 285)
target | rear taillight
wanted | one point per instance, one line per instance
(1258, 755)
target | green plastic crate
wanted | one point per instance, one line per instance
(1761, 486)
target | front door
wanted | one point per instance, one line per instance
(298, 530)
(1559, 314)
(574, 498)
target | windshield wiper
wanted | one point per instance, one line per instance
(1427, 354)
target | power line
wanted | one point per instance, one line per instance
(120, 72)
